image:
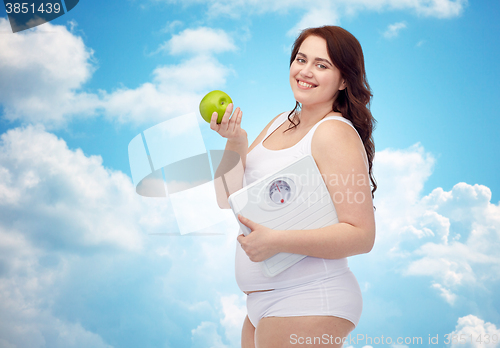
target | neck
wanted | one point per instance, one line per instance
(310, 115)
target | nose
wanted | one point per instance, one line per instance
(306, 71)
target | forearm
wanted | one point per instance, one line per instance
(229, 173)
(233, 147)
(331, 242)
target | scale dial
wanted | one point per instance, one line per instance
(280, 191)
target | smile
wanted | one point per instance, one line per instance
(305, 84)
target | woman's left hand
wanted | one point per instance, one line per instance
(260, 244)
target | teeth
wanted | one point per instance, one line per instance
(305, 84)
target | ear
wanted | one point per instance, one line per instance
(343, 85)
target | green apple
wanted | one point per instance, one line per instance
(214, 101)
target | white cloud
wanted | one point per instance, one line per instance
(394, 29)
(27, 291)
(315, 17)
(62, 199)
(473, 332)
(43, 71)
(432, 8)
(328, 11)
(176, 90)
(171, 26)
(441, 8)
(200, 41)
(234, 312)
(473, 227)
(420, 43)
(72, 229)
(400, 176)
(24, 325)
(452, 237)
(206, 336)
(446, 294)
(208, 73)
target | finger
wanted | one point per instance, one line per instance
(240, 238)
(213, 121)
(247, 222)
(234, 120)
(225, 118)
(229, 109)
(241, 218)
(239, 118)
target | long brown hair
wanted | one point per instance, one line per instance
(353, 102)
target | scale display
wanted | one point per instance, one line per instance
(280, 191)
(293, 198)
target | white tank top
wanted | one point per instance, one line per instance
(260, 162)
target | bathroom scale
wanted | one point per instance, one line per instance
(294, 197)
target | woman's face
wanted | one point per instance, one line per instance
(315, 81)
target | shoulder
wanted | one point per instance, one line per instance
(334, 133)
(335, 140)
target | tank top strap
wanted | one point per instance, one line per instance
(278, 122)
(338, 118)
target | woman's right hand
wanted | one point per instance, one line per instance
(229, 128)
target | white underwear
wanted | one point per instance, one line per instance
(338, 296)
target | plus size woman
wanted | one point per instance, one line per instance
(317, 301)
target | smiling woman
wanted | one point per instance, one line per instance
(345, 55)
(315, 81)
(318, 295)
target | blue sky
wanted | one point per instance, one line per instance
(82, 259)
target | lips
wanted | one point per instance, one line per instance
(305, 85)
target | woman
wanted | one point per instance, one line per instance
(317, 301)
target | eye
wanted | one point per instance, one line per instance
(321, 66)
(300, 60)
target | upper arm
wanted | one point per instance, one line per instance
(262, 134)
(341, 159)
